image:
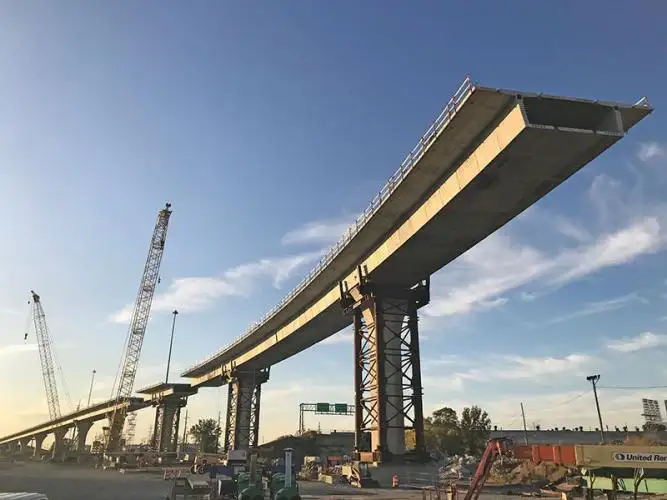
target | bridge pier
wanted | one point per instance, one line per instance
(39, 440)
(167, 420)
(243, 402)
(23, 444)
(82, 429)
(59, 443)
(11, 448)
(387, 378)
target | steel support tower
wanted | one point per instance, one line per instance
(387, 371)
(243, 402)
(138, 323)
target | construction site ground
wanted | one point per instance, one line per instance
(83, 482)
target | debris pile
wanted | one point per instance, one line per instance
(546, 476)
(458, 467)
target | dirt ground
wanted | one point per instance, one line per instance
(73, 482)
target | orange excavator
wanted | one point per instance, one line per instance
(494, 449)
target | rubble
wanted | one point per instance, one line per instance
(458, 467)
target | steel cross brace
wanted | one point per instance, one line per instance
(388, 386)
(243, 404)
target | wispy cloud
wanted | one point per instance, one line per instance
(14, 349)
(10, 312)
(499, 265)
(321, 232)
(497, 368)
(646, 340)
(343, 337)
(650, 150)
(520, 367)
(603, 306)
(198, 293)
(624, 226)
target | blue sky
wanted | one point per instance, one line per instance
(269, 127)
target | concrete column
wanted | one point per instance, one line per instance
(82, 429)
(387, 375)
(245, 388)
(23, 443)
(58, 444)
(393, 386)
(389, 385)
(39, 440)
(11, 447)
(243, 405)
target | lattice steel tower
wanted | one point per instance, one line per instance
(135, 338)
(45, 356)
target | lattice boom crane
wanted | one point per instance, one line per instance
(45, 356)
(135, 339)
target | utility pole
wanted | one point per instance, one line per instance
(593, 379)
(90, 391)
(171, 343)
(525, 431)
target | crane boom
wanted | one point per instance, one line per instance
(45, 356)
(140, 314)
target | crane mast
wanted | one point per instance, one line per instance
(140, 314)
(45, 356)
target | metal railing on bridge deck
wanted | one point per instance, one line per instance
(443, 119)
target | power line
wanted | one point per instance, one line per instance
(635, 387)
(562, 403)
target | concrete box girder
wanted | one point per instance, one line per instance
(516, 162)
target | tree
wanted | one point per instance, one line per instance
(442, 432)
(475, 429)
(653, 427)
(206, 433)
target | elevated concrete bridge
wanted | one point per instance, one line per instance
(82, 420)
(488, 156)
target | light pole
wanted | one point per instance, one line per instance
(171, 343)
(90, 391)
(593, 379)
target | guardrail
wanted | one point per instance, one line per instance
(443, 119)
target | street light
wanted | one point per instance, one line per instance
(171, 343)
(593, 379)
(90, 391)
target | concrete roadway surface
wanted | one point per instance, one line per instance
(74, 482)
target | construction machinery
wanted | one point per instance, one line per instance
(46, 356)
(358, 474)
(137, 329)
(610, 468)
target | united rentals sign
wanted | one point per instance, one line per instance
(640, 457)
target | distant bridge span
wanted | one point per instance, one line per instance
(489, 155)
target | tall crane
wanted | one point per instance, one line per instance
(135, 337)
(45, 356)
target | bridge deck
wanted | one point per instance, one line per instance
(94, 412)
(498, 153)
